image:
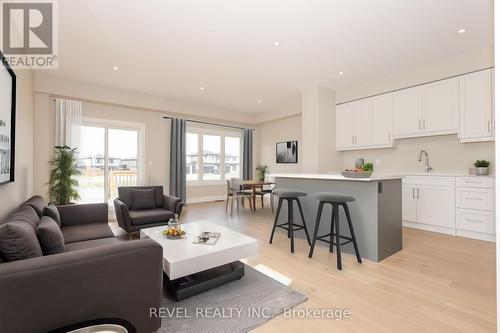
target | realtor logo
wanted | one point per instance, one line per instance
(29, 34)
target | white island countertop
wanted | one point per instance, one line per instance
(335, 176)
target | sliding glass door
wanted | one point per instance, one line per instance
(108, 158)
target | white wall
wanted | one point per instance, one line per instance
(270, 133)
(446, 154)
(12, 194)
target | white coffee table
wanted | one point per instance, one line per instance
(192, 268)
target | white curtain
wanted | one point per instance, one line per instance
(68, 113)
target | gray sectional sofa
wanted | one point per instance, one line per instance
(93, 277)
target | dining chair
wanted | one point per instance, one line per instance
(234, 193)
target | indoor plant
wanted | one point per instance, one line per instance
(261, 172)
(368, 167)
(482, 167)
(62, 185)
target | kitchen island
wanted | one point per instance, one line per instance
(376, 213)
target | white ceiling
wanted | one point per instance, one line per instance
(171, 48)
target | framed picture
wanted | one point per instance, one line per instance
(7, 121)
(287, 152)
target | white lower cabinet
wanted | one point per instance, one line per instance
(429, 204)
(461, 206)
(475, 208)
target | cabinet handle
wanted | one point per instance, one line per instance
(420, 124)
(472, 182)
(472, 198)
(413, 190)
(352, 139)
(423, 121)
(418, 193)
(389, 135)
(489, 126)
(473, 220)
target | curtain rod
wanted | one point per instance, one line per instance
(208, 123)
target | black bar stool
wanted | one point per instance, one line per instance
(290, 196)
(335, 200)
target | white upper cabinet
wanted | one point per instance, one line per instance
(476, 115)
(345, 125)
(407, 112)
(440, 107)
(461, 104)
(382, 119)
(430, 109)
(364, 123)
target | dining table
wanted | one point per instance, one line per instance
(254, 185)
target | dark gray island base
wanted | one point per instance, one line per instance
(376, 213)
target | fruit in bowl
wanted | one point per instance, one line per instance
(173, 233)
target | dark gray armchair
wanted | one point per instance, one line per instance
(139, 207)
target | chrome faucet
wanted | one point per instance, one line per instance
(427, 168)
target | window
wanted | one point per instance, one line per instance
(212, 154)
(191, 156)
(109, 156)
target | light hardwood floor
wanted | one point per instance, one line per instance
(437, 283)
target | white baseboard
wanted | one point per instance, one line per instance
(427, 227)
(206, 199)
(476, 235)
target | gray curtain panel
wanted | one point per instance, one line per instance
(178, 159)
(247, 153)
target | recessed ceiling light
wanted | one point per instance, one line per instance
(341, 73)
(461, 31)
(259, 101)
(115, 68)
(276, 43)
(202, 88)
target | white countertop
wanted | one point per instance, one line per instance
(335, 176)
(374, 177)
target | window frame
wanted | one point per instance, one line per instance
(222, 133)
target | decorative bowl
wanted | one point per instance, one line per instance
(356, 174)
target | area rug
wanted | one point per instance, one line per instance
(237, 306)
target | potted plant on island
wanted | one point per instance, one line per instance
(62, 185)
(261, 172)
(482, 167)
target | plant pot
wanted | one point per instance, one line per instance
(482, 171)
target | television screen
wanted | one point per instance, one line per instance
(7, 121)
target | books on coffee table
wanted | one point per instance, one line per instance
(207, 238)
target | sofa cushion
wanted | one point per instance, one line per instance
(52, 212)
(18, 241)
(143, 199)
(91, 244)
(84, 232)
(37, 202)
(24, 214)
(125, 194)
(141, 217)
(50, 236)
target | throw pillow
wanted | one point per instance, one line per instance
(18, 241)
(24, 214)
(50, 236)
(143, 199)
(52, 212)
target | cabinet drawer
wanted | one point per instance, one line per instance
(429, 180)
(487, 182)
(474, 198)
(477, 221)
